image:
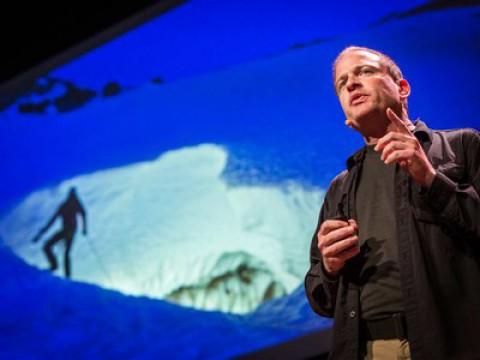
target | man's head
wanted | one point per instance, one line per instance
(367, 82)
(72, 192)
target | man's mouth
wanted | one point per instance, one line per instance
(357, 99)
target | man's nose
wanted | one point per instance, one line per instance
(353, 83)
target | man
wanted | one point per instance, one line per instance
(395, 258)
(68, 211)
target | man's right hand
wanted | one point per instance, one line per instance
(337, 242)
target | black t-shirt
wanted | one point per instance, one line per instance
(379, 275)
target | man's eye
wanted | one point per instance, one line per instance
(366, 71)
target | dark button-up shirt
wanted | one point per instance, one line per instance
(438, 232)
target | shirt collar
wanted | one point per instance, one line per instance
(422, 131)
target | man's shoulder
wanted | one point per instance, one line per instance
(339, 177)
(422, 127)
(338, 181)
(454, 137)
(457, 132)
(462, 137)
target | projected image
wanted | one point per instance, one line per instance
(179, 193)
(173, 229)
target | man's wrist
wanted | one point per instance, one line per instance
(439, 192)
(429, 178)
(329, 275)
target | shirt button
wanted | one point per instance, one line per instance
(352, 314)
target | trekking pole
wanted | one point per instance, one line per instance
(99, 261)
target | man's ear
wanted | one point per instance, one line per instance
(404, 88)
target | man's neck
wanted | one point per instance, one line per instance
(371, 140)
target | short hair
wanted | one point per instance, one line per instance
(392, 68)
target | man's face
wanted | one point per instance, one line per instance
(366, 90)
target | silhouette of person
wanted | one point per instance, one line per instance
(68, 211)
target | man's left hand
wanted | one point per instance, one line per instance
(402, 147)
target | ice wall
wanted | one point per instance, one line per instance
(173, 228)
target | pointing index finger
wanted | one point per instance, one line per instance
(401, 126)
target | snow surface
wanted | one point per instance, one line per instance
(173, 228)
(45, 317)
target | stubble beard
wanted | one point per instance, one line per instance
(372, 123)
